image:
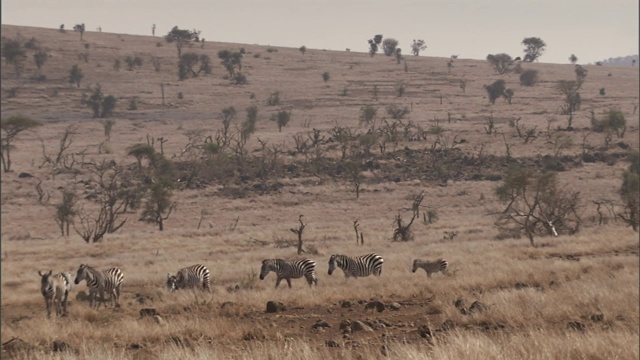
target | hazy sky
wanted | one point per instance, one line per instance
(592, 30)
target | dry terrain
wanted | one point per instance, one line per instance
(575, 296)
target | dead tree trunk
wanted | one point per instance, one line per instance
(298, 232)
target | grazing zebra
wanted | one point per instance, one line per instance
(431, 266)
(55, 289)
(359, 266)
(109, 280)
(192, 276)
(290, 269)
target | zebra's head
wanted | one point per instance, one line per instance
(44, 276)
(81, 274)
(415, 265)
(171, 282)
(267, 265)
(332, 264)
(44, 281)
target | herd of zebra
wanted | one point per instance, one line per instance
(55, 288)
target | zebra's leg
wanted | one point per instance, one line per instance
(288, 282)
(114, 298)
(48, 305)
(92, 298)
(64, 302)
(278, 280)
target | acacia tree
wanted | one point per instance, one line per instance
(158, 205)
(501, 62)
(573, 58)
(13, 54)
(572, 97)
(417, 46)
(231, 60)
(75, 75)
(537, 204)
(11, 127)
(181, 37)
(374, 44)
(534, 47)
(389, 46)
(192, 64)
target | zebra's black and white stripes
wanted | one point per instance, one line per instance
(192, 276)
(290, 269)
(55, 290)
(359, 266)
(431, 266)
(109, 281)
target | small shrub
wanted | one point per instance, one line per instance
(614, 121)
(272, 50)
(239, 79)
(133, 104)
(495, 90)
(256, 55)
(325, 76)
(180, 95)
(529, 77)
(274, 99)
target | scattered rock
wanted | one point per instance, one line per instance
(447, 325)
(320, 324)
(159, 320)
(227, 305)
(148, 312)
(459, 303)
(520, 286)
(378, 305)
(275, 306)
(360, 326)
(599, 317)
(576, 325)
(345, 324)
(133, 346)
(24, 175)
(59, 345)
(331, 343)
(254, 335)
(346, 304)
(395, 306)
(477, 306)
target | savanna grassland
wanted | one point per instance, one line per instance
(575, 296)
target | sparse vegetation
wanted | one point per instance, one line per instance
(501, 62)
(11, 127)
(534, 48)
(239, 196)
(529, 77)
(417, 46)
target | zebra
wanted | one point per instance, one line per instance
(359, 266)
(431, 266)
(55, 290)
(192, 276)
(290, 269)
(109, 280)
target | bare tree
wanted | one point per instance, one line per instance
(11, 127)
(537, 205)
(298, 232)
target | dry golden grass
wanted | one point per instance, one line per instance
(531, 294)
